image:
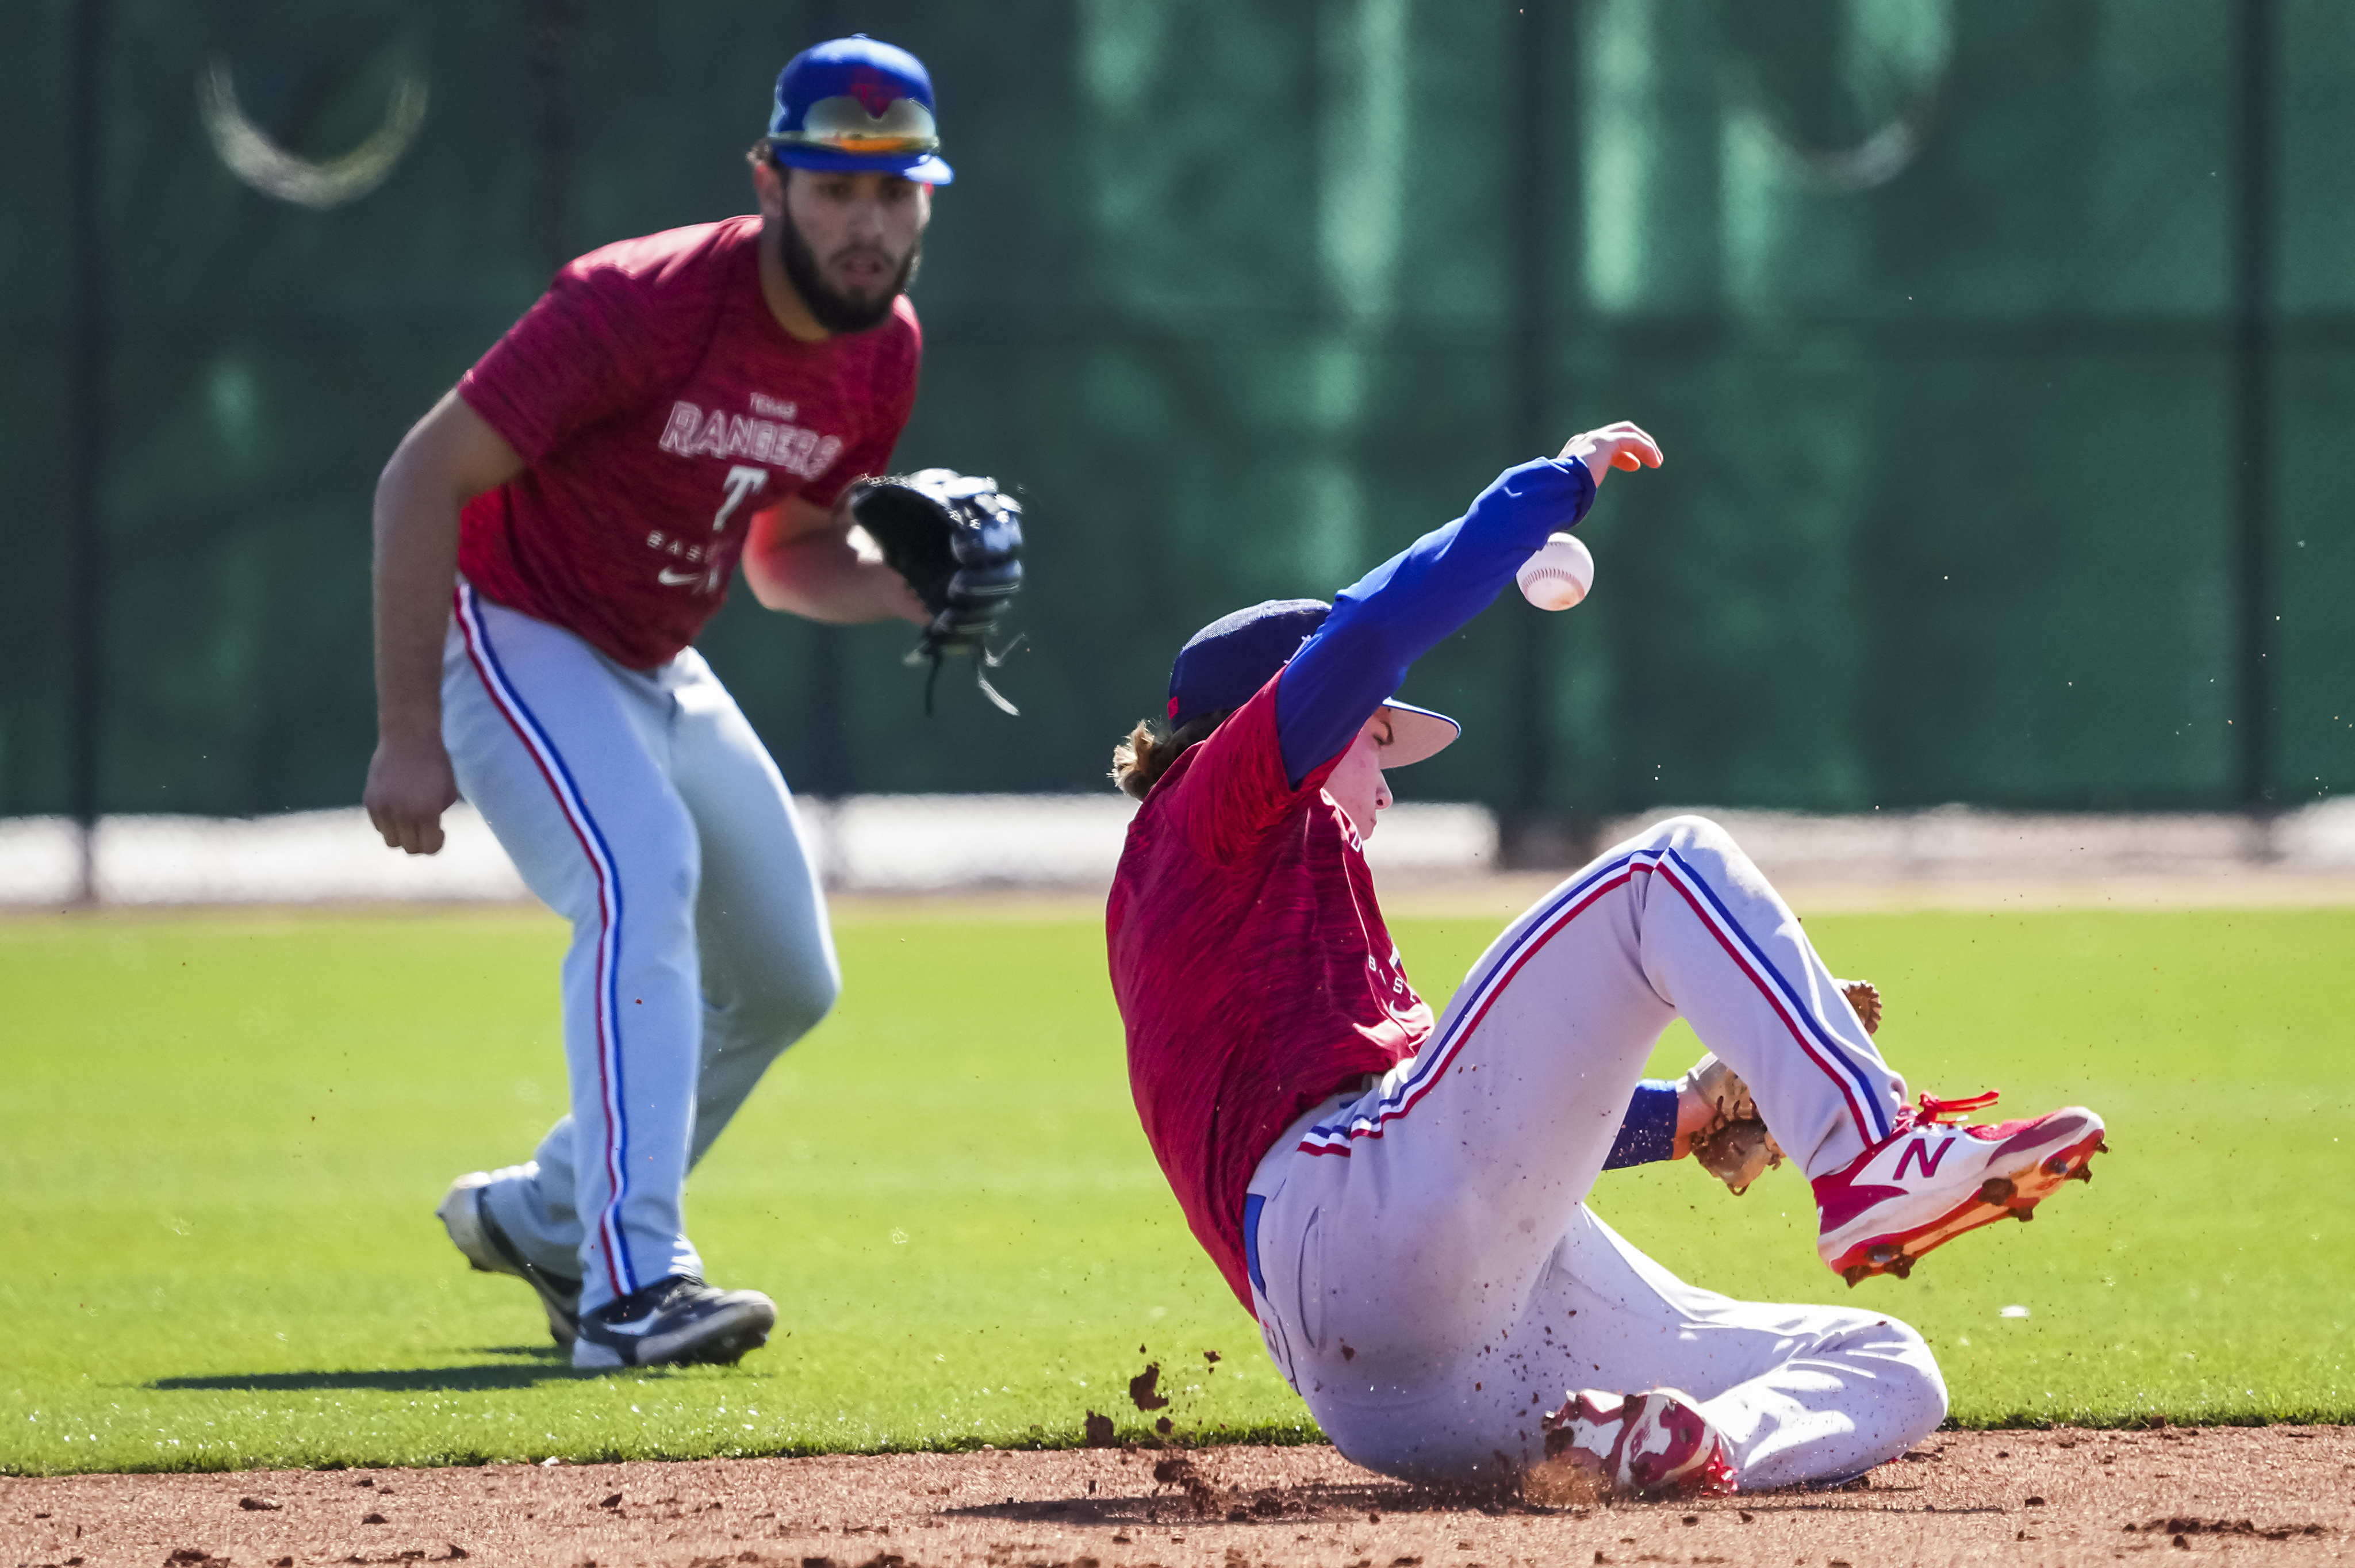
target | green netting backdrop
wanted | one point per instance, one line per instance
(1931, 302)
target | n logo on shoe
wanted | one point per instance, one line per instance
(1919, 1151)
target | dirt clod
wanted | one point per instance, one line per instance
(1099, 1430)
(1202, 1496)
(2183, 1526)
(259, 1505)
(1145, 1391)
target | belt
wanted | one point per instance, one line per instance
(1253, 1204)
(1350, 1088)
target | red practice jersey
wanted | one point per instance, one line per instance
(1250, 965)
(659, 406)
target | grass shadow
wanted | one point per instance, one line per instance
(406, 1379)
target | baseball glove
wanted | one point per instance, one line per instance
(1865, 998)
(957, 540)
(1736, 1147)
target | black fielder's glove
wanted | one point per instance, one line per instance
(957, 540)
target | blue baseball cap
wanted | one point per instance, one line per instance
(1222, 666)
(857, 105)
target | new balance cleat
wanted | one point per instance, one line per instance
(1655, 1444)
(1932, 1180)
(489, 1250)
(677, 1321)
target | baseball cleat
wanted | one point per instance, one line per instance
(489, 1250)
(1652, 1444)
(1930, 1180)
(676, 1321)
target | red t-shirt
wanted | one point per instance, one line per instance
(659, 406)
(1250, 965)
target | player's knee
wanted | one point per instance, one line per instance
(651, 879)
(817, 987)
(1691, 832)
(794, 996)
(1704, 842)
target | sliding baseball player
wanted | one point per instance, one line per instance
(1400, 1201)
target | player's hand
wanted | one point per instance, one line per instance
(1696, 1114)
(1618, 445)
(410, 785)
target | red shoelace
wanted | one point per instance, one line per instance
(1934, 1110)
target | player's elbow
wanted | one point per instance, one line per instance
(780, 578)
(770, 589)
(794, 574)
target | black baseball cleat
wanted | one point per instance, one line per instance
(490, 1250)
(676, 1321)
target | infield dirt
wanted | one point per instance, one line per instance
(2268, 1494)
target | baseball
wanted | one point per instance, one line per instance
(1558, 575)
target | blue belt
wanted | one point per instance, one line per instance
(1253, 1204)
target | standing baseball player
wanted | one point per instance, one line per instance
(549, 539)
(1402, 1206)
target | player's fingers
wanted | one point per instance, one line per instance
(1641, 443)
(1629, 434)
(412, 830)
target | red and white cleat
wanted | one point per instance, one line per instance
(1652, 1444)
(1929, 1181)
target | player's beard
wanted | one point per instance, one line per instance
(834, 310)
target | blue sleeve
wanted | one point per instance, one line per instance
(1395, 613)
(1649, 1132)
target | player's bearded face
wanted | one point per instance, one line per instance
(852, 246)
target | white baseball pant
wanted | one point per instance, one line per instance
(1427, 1273)
(640, 806)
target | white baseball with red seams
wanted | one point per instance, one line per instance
(1559, 574)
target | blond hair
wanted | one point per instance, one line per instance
(1138, 761)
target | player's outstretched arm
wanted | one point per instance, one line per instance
(1395, 613)
(814, 562)
(449, 458)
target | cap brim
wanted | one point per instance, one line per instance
(924, 168)
(1416, 734)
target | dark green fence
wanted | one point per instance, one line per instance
(2004, 352)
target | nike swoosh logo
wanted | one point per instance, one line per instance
(670, 579)
(635, 1330)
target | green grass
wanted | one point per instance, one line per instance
(221, 1138)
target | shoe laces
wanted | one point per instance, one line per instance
(1935, 1111)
